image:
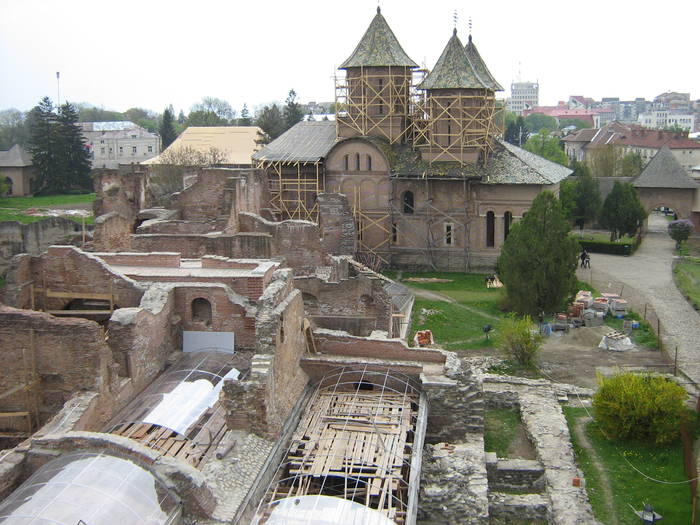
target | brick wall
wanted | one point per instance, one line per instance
(120, 192)
(337, 224)
(331, 342)
(112, 232)
(157, 259)
(241, 245)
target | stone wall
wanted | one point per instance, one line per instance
(240, 245)
(34, 238)
(68, 356)
(337, 224)
(514, 475)
(112, 233)
(203, 200)
(122, 191)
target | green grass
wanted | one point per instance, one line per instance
(13, 208)
(456, 327)
(603, 237)
(500, 428)
(663, 462)
(688, 280)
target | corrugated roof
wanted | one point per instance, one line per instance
(237, 142)
(664, 171)
(304, 142)
(480, 66)
(378, 47)
(453, 69)
(513, 165)
(15, 157)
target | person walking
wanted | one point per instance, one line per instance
(583, 257)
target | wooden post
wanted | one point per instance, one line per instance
(645, 311)
(658, 331)
(675, 361)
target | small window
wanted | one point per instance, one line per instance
(394, 233)
(102, 141)
(150, 149)
(346, 162)
(133, 150)
(111, 150)
(407, 200)
(357, 161)
(133, 136)
(490, 223)
(507, 221)
(201, 311)
(102, 151)
(449, 240)
(369, 162)
(121, 150)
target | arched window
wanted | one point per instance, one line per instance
(490, 223)
(201, 311)
(369, 162)
(346, 162)
(357, 161)
(8, 180)
(507, 221)
(407, 200)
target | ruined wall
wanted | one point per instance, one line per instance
(337, 224)
(248, 191)
(33, 238)
(112, 233)
(203, 200)
(68, 269)
(241, 245)
(69, 355)
(122, 191)
(359, 304)
(263, 402)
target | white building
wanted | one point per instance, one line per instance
(523, 95)
(662, 118)
(114, 143)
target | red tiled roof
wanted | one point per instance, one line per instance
(632, 135)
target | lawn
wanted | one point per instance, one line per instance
(458, 325)
(687, 274)
(628, 487)
(500, 427)
(602, 237)
(13, 208)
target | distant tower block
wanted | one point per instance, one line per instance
(372, 97)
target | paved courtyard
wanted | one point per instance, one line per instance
(646, 278)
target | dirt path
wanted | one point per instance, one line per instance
(647, 278)
(579, 430)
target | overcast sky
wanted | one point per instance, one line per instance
(152, 53)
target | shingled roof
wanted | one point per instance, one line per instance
(304, 142)
(453, 70)
(480, 66)
(510, 164)
(378, 47)
(15, 157)
(664, 171)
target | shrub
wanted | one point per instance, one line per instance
(680, 231)
(518, 339)
(640, 406)
(613, 248)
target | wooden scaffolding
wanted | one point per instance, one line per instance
(374, 101)
(354, 441)
(293, 188)
(447, 125)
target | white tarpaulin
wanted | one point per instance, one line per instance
(616, 343)
(198, 341)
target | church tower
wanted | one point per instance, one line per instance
(455, 117)
(372, 97)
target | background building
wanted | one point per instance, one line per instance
(114, 143)
(523, 95)
(16, 167)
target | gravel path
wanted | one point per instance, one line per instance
(646, 278)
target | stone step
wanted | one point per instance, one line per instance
(518, 507)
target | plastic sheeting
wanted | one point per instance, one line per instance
(323, 510)
(94, 489)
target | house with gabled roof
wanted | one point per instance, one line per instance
(16, 168)
(428, 180)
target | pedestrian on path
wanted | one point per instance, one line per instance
(583, 257)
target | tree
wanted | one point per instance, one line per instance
(4, 186)
(631, 165)
(181, 117)
(538, 259)
(587, 199)
(567, 197)
(538, 121)
(293, 112)
(547, 146)
(622, 213)
(90, 113)
(516, 132)
(576, 122)
(143, 117)
(205, 118)
(270, 120)
(75, 162)
(218, 107)
(518, 339)
(680, 231)
(245, 119)
(640, 406)
(13, 128)
(167, 128)
(43, 145)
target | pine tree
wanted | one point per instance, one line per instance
(538, 259)
(181, 117)
(75, 162)
(43, 145)
(245, 119)
(623, 212)
(292, 110)
(516, 132)
(271, 121)
(167, 129)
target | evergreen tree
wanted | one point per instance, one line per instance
(43, 145)
(181, 117)
(292, 110)
(271, 121)
(167, 128)
(587, 198)
(623, 212)
(75, 162)
(516, 132)
(547, 146)
(245, 119)
(538, 259)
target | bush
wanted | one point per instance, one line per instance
(518, 339)
(640, 406)
(680, 230)
(613, 248)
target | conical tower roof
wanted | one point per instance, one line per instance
(453, 70)
(480, 66)
(664, 171)
(378, 47)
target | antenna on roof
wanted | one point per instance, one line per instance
(455, 17)
(58, 88)
(470, 28)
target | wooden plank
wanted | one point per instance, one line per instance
(79, 312)
(14, 414)
(77, 295)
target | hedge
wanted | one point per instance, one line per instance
(613, 248)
